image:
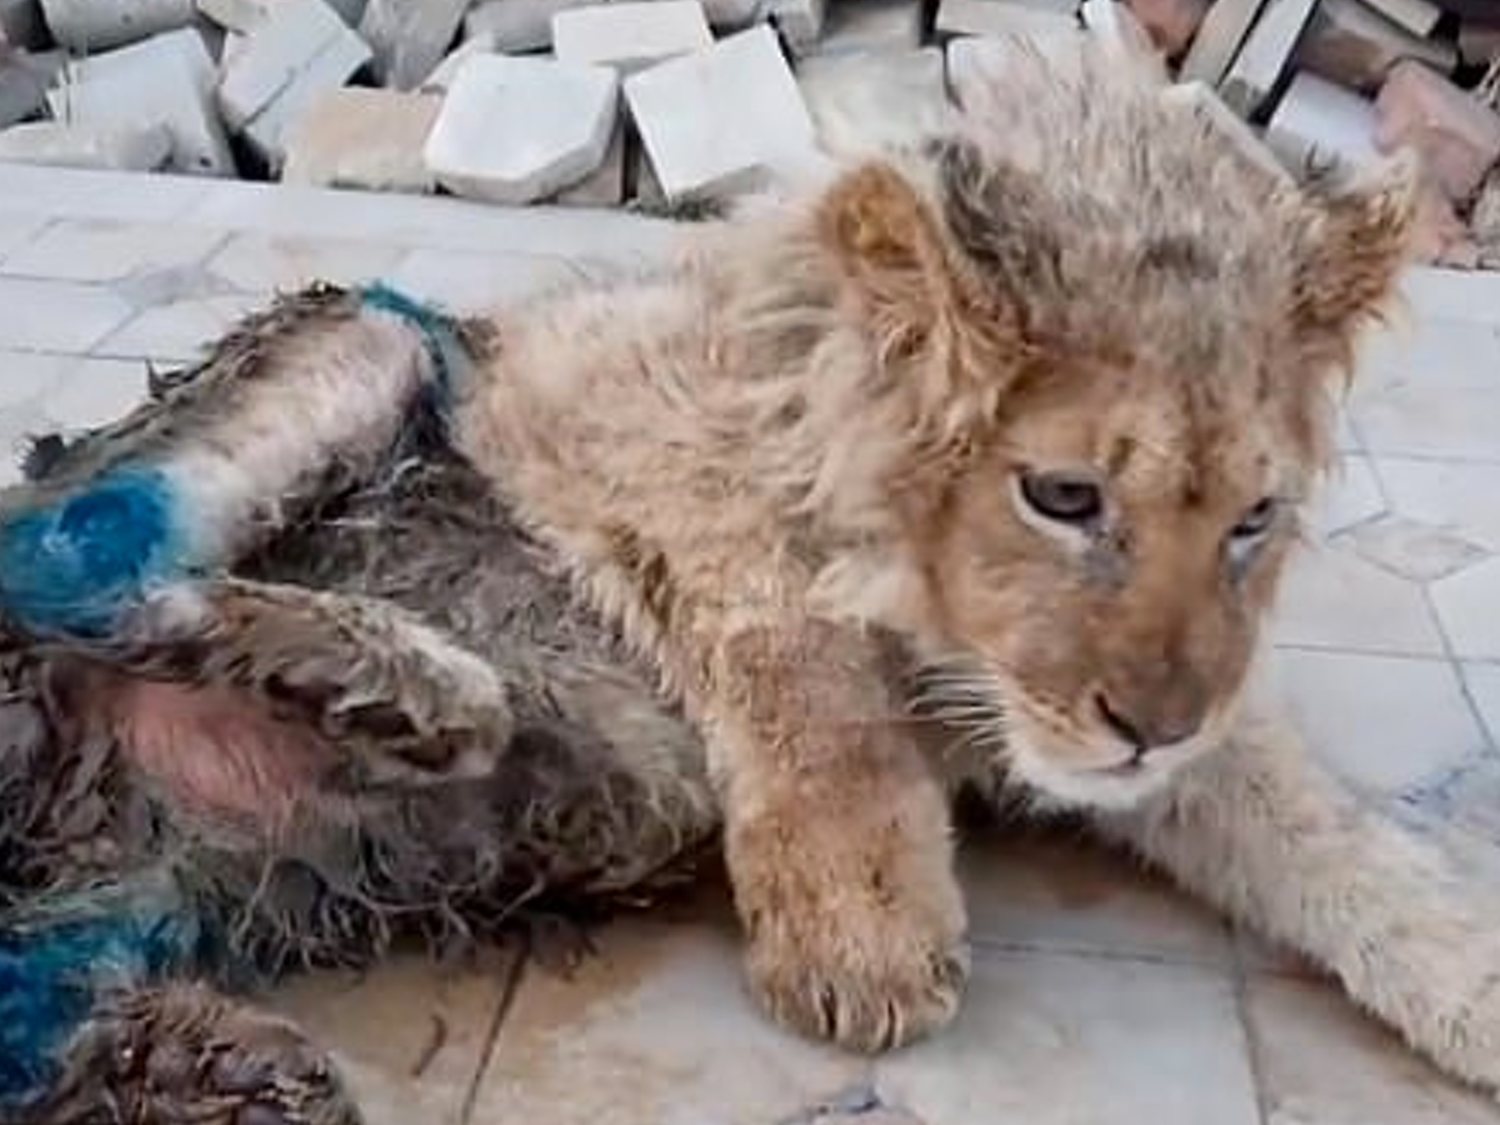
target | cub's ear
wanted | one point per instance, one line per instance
(1351, 246)
(890, 249)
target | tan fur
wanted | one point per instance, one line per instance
(811, 431)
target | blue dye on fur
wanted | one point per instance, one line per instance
(71, 567)
(52, 970)
(440, 335)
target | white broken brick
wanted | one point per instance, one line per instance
(443, 74)
(168, 80)
(1205, 104)
(370, 139)
(1218, 40)
(301, 50)
(863, 104)
(605, 185)
(724, 120)
(1318, 122)
(628, 36)
(86, 26)
(859, 26)
(409, 37)
(117, 147)
(1265, 55)
(514, 130)
(1001, 19)
(977, 65)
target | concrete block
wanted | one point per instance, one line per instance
(976, 65)
(516, 25)
(1317, 121)
(443, 74)
(1417, 16)
(21, 23)
(864, 26)
(1356, 46)
(629, 36)
(117, 147)
(87, 26)
(167, 80)
(358, 138)
(1002, 19)
(303, 49)
(724, 120)
(240, 16)
(410, 37)
(862, 104)
(1457, 137)
(1265, 56)
(1219, 37)
(515, 130)
(605, 185)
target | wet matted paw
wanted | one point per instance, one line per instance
(187, 1053)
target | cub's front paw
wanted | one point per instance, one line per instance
(867, 971)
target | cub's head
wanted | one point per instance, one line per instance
(1100, 348)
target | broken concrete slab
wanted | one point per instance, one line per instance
(977, 65)
(113, 147)
(443, 74)
(605, 185)
(302, 50)
(167, 79)
(630, 35)
(1457, 138)
(88, 26)
(1219, 37)
(1170, 23)
(1001, 19)
(1356, 46)
(869, 26)
(360, 138)
(1204, 103)
(1265, 56)
(863, 104)
(409, 37)
(1318, 122)
(704, 134)
(515, 130)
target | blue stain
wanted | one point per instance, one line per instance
(440, 334)
(72, 566)
(52, 969)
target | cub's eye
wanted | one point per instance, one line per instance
(1257, 521)
(1064, 497)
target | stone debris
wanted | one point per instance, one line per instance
(799, 23)
(239, 16)
(1001, 19)
(516, 130)
(24, 79)
(1457, 138)
(409, 37)
(1170, 23)
(301, 50)
(516, 25)
(97, 25)
(605, 185)
(705, 135)
(443, 74)
(1264, 57)
(166, 80)
(1355, 46)
(872, 26)
(1218, 41)
(629, 36)
(861, 104)
(115, 147)
(370, 139)
(21, 23)
(1318, 123)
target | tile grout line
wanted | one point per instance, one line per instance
(510, 988)
(1240, 977)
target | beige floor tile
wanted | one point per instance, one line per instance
(181, 331)
(409, 1038)
(1049, 892)
(26, 378)
(1468, 605)
(1456, 422)
(1322, 1063)
(1412, 549)
(1461, 497)
(1350, 495)
(1439, 294)
(96, 391)
(472, 283)
(17, 228)
(101, 250)
(57, 316)
(1333, 598)
(66, 193)
(655, 1030)
(1430, 352)
(1484, 688)
(1051, 1039)
(257, 263)
(1383, 722)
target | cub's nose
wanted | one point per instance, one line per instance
(1148, 722)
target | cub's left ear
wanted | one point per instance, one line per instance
(1351, 246)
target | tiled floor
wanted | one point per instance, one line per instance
(1099, 996)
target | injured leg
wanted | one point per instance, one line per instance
(320, 388)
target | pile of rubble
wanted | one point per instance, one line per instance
(605, 102)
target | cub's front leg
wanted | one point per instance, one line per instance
(837, 839)
(1266, 834)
